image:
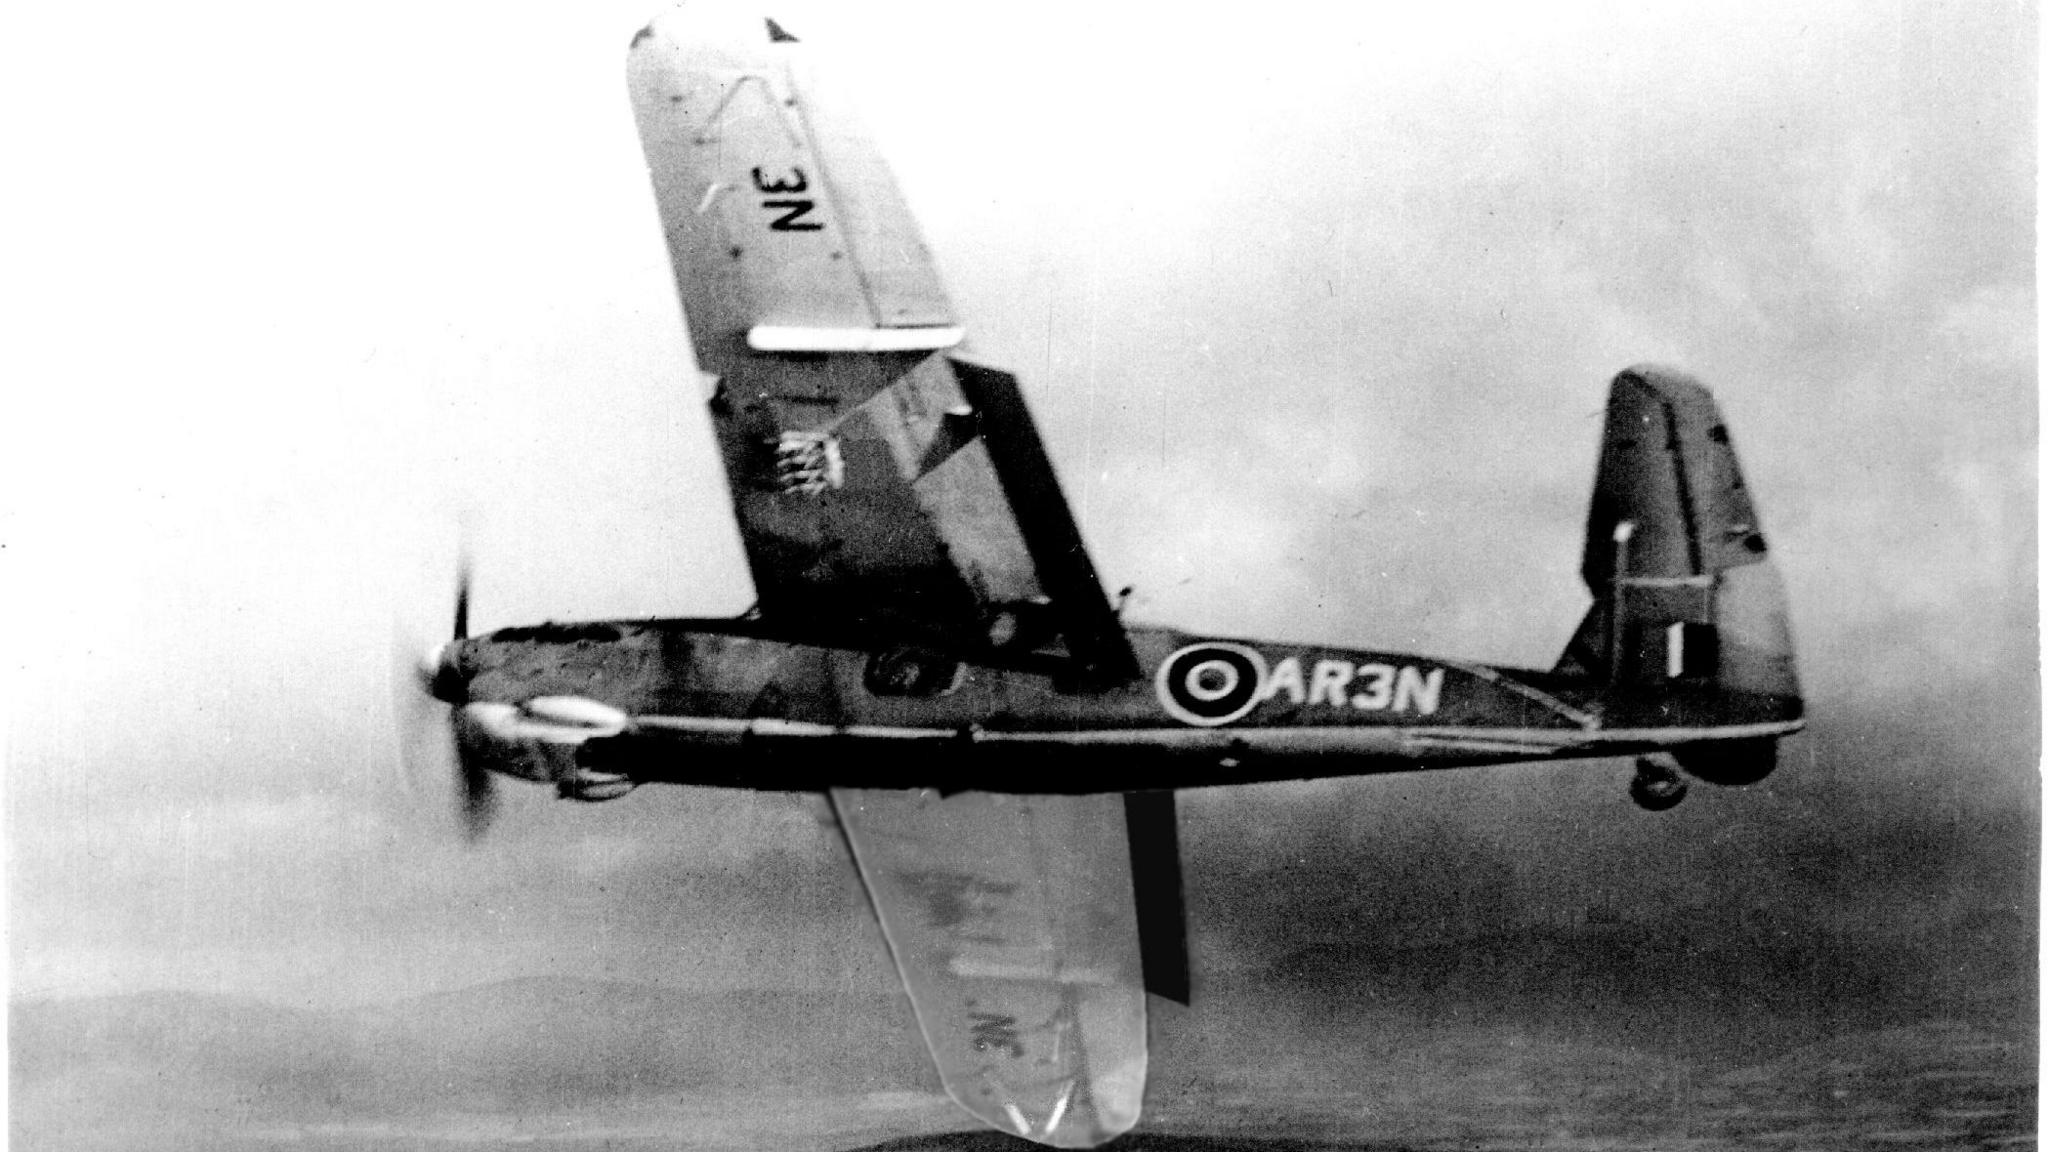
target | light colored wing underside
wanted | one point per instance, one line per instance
(1012, 922)
(776, 191)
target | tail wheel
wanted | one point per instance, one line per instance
(1657, 786)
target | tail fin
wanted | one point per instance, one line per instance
(1688, 619)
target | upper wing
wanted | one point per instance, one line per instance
(1012, 922)
(885, 491)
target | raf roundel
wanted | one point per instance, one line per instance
(1211, 683)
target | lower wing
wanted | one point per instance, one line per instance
(1013, 923)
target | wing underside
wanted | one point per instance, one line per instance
(1011, 920)
(885, 491)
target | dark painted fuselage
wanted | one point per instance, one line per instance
(723, 702)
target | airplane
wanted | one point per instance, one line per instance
(933, 650)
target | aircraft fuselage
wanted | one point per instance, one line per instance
(718, 702)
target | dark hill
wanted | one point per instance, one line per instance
(560, 1042)
(179, 1047)
(1730, 993)
(1136, 1141)
(189, 1061)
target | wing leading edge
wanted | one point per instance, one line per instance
(886, 493)
(1011, 920)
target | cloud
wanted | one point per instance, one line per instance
(1992, 329)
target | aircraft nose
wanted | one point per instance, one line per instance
(441, 673)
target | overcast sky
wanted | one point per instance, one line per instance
(1316, 304)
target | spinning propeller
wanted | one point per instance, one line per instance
(430, 730)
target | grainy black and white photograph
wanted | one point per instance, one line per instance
(903, 577)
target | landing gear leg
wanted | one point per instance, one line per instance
(1657, 786)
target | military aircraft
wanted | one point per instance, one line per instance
(932, 648)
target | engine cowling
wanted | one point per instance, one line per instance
(538, 740)
(577, 712)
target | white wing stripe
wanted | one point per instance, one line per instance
(788, 338)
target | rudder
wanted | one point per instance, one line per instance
(1688, 614)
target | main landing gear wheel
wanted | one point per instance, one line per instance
(1657, 786)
